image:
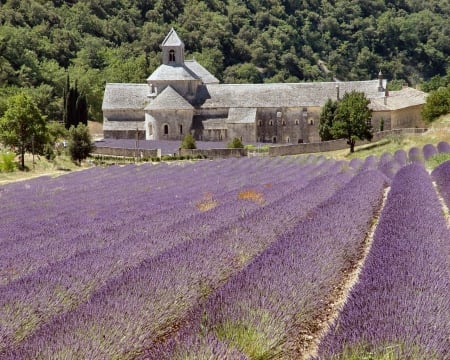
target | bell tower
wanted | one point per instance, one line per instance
(173, 49)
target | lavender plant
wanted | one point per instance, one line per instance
(443, 147)
(441, 175)
(46, 298)
(266, 310)
(399, 307)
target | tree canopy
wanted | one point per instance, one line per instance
(352, 119)
(348, 118)
(238, 41)
(22, 127)
(80, 143)
(327, 115)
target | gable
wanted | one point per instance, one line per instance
(169, 99)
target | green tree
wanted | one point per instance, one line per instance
(437, 104)
(236, 143)
(352, 119)
(80, 143)
(327, 115)
(75, 106)
(22, 126)
(188, 142)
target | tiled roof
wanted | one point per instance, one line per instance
(201, 72)
(169, 99)
(241, 115)
(400, 99)
(172, 39)
(125, 96)
(281, 95)
(172, 72)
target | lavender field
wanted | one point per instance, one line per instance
(227, 259)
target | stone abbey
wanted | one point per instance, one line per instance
(181, 97)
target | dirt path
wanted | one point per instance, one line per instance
(342, 291)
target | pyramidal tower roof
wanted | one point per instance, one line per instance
(172, 39)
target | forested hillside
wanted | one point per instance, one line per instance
(101, 41)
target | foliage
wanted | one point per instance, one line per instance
(22, 126)
(239, 41)
(7, 163)
(56, 132)
(75, 106)
(352, 119)
(80, 143)
(437, 159)
(236, 143)
(188, 142)
(437, 104)
(327, 115)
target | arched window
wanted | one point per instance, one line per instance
(283, 123)
(260, 123)
(271, 123)
(172, 55)
(181, 129)
(311, 122)
(166, 129)
(288, 139)
(297, 122)
(274, 139)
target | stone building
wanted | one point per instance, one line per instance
(181, 96)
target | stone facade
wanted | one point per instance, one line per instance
(181, 96)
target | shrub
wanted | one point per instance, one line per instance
(236, 143)
(7, 163)
(80, 144)
(49, 153)
(188, 142)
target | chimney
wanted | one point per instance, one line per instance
(337, 92)
(380, 81)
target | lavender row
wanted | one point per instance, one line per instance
(65, 283)
(265, 310)
(441, 175)
(399, 307)
(146, 302)
(82, 232)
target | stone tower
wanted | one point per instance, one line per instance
(172, 49)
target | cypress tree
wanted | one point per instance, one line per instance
(82, 110)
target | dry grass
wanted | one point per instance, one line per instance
(252, 195)
(207, 203)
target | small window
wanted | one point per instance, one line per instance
(297, 122)
(259, 123)
(150, 129)
(271, 123)
(278, 114)
(283, 123)
(311, 122)
(274, 139)
(172, 55)
(166, 129)
(288, 139)
(369, 122)
(181, 129)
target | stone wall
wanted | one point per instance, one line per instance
(112, 151)
(214, 153)
(335, 144)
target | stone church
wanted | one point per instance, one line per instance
(181, 97)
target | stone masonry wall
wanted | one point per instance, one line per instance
(335, 144)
